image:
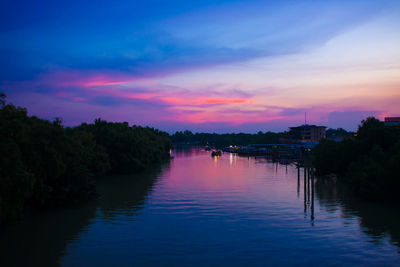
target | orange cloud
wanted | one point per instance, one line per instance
(224, 116)
(177, 100)
(230, 101)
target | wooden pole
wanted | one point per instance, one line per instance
(312, 197)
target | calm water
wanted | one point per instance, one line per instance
(198, 210)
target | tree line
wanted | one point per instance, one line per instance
(369, 163)
(221, 140)
(45, 164)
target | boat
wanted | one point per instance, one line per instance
(216, 153)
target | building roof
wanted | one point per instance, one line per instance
(307, 126)
(392, 119)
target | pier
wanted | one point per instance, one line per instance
(308, 192)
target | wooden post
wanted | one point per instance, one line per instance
(308, 185)
(298, 181)
(312, 197)
(305, 190)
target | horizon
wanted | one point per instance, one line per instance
(210, 66)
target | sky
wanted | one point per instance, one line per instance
(206, 66)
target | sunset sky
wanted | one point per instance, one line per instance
(210, 66)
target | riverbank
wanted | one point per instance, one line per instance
(45, 164)
(200, 210)
(369, 163)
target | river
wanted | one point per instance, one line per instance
(197, 210)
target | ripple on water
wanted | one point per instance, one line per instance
(229, 211)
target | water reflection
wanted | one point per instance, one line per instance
(187, 151)
(42, 239)
(202, 210)
(378, 221)
(125, 195)
(308, 192)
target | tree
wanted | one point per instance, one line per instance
(370, 163)
(45, 164)
(2, 99)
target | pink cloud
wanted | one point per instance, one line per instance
(102, 82)
(61, 94)
(224, 116)
(78, 99)
(198, 100)
(229, 101)
(113, 96)
(66, 78)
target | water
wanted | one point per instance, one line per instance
(198, 210)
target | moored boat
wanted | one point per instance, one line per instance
(216, 153)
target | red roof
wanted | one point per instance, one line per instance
(392, 119)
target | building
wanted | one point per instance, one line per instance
(308, 133)
(392, 120)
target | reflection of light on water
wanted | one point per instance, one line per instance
(215, 160)
(245, 201)
(232, 159)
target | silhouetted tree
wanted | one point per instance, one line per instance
(370, 163)
(228, 139)
(44, 164)
(2, 99)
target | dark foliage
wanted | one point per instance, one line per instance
(129, 148)
(221, 140)
(339, 132)
(44, 164)
(370, 162)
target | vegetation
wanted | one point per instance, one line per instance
(339, 132)
(370, 162)
(129, 148)
(221, 140)
(45, 164)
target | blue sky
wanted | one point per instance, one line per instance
(205, 65)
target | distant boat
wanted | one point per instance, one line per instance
(207, 148)
(216, 153)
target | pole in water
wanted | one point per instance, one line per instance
(312, 197)
(305, 193)
(298, 181)
(308, 185)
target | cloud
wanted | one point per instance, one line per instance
(129, 44)
(232, 64)
(349, 119)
